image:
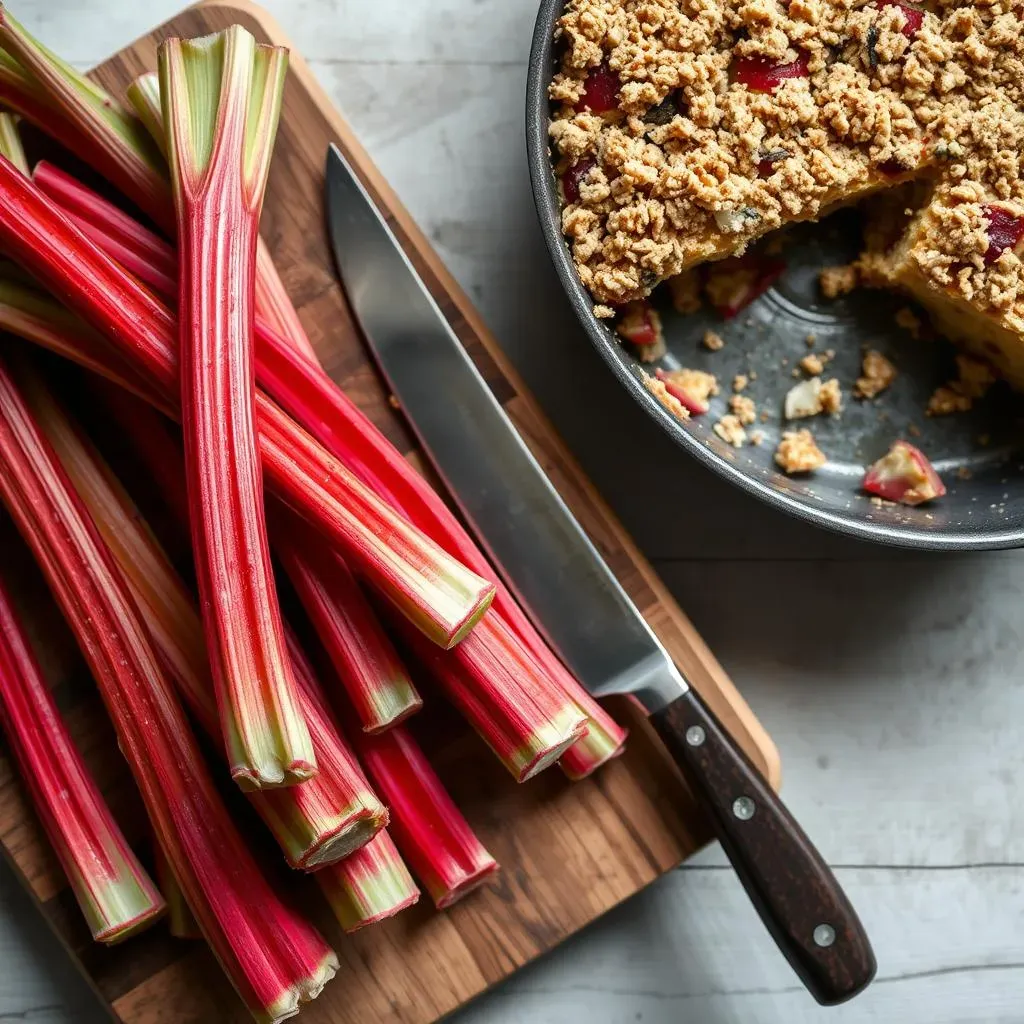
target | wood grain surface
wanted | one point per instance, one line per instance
(569, 852)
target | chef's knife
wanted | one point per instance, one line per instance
(572, 596)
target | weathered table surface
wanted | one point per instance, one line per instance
(889, 682)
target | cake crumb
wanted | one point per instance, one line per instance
(752, 374)
(975, 376)
(913, 430)
(798, 452)
(670, 402)
(394, 402)
(945, 402)
(698, 384)
(836, 281)
(730, 430)
(603, 312)
(831, 397)
(878, 373)
(909, 321)
(964, 473)
(814, 364)
(743, 408)
(757, 437)
(713, 342)
(739, 382)
(810, 340)
(879, 502)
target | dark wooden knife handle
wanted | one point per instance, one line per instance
(793, 889)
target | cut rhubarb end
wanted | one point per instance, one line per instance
(370, 886)
(429, 829)
(759, 74)
(557, 736)
(594, 751)
(913, 16)
(1005, 231)
(601, 90)
(904, 475)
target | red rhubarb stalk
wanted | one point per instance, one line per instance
(371, 885)
(375, 681)
(145, 254)
(222, 99)
(274, 958)
(429, 586)
(430, 830)
(318, 822)
(114, 892)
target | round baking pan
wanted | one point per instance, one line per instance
(979, 454)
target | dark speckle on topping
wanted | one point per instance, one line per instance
(873, 46)
(663, 112)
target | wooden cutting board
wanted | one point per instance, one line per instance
(569, 852)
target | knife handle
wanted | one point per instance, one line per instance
(792, 888)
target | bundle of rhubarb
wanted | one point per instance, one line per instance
(194, 350)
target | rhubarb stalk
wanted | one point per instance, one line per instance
(221, 97)
(10, 142)
(371, 885)
(316, 823)
(374, 679)
(275, 959)
(114, 892)
(431, 832)
(430, 587)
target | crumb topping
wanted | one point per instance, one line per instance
(909, 321)
(730, 429)
(743, 408)
(713, 342)
(739, 382)
(836, 281)
(799, 453)
(877, 373)
(670, 402)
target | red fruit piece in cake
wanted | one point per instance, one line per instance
(573, 176)
(904, 474)
(1005, 231)
(913, 16)
(734, 283)
(640, 325)
(601, 90)
(690, 388)
(761, 74)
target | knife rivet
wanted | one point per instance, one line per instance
(695, 736)
(743, 807)
(824, 935)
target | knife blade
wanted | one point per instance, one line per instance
(573, 598)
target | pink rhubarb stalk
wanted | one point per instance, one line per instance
(430, 830)
(114, 892)
(368, 667)
(222, 98)
(274, 958)
(371, 885)
(316, 823)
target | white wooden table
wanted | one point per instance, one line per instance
(890, 682)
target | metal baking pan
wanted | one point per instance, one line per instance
(979, 454)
